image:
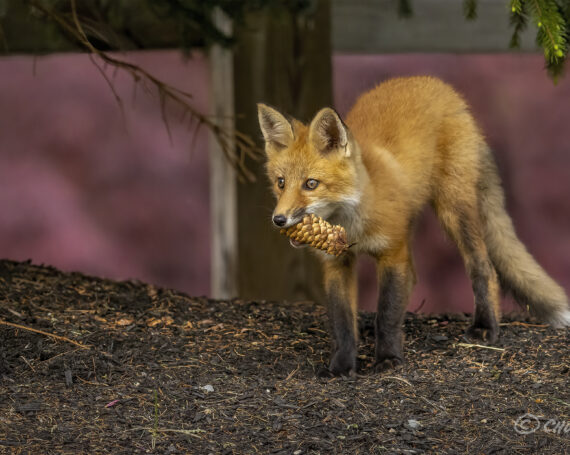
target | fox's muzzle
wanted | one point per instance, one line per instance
(281, 220)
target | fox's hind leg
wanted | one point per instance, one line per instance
(462, 221)
(396, 280)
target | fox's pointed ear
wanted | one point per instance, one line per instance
(327, 133)
(276, 129)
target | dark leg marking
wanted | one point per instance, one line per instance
(341, 318)
(389, 319)
(485, 326)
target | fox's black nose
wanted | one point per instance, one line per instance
(279, 220)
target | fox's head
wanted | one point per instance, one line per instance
(312, 169)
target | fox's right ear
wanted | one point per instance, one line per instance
(276, 129)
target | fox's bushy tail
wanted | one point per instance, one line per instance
(517, 270)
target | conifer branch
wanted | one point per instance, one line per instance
(551, 19)
(550, 28)
(518, 20)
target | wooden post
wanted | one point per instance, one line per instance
(223, 198)
(282, 59)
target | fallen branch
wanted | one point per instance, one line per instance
(47, 334)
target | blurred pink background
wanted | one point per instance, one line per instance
(83, 188)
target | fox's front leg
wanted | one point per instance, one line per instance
(397, 278)
(341, 290)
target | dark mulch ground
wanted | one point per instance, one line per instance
(161, 372)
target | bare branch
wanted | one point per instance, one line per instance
(245, 147)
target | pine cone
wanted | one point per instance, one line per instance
(318, 233)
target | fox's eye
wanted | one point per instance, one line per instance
(311, 184)
(281, 183)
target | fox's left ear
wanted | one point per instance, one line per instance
(327, 133)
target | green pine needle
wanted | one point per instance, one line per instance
(519, 21)
(551, 28)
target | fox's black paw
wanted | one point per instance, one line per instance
(388, 363)
(343, 363)
(324, 373)
(486, 334)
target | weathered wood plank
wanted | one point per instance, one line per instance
(223, 197)
(286, 62)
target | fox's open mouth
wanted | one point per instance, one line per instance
(296, 244)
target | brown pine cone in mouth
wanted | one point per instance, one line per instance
(319, 233)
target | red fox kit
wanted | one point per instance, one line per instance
(406, 143)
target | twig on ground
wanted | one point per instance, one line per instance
(482, 346)
(405, 381)
(47, 334)
(524, 324)
(194, 433)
